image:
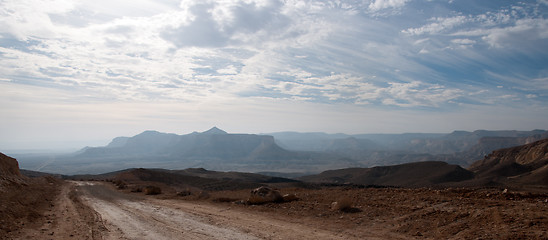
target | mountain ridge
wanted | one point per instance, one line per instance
(310, 153)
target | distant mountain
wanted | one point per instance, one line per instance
(214, 149)
(432, 143)
(521, 168)
(214, 131)
(315, 141)
(286, 152)
(418, 174)
(458, 147)
(486, 145)
(118, 142)
(213, 144)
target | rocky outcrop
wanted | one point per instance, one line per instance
(9, 167)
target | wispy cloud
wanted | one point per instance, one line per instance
(377, 5)
(396, 55)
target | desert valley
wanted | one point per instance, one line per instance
(463, 185)
(273, 119)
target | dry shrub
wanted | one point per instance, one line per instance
(203, 195)
(120, 184)
(344, 204)
(184, 193)
(152, 190)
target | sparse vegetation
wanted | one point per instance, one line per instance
(184, 193)
(343, 204)
(152, 190)
(136, 189)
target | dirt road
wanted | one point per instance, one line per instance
(93, 210)
(97, 210)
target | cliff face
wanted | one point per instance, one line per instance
(9, 167)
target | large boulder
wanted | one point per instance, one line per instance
(264, 195)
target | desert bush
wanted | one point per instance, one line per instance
(120, 184)
(203, 195)
(184, 193)
(344, 204)
(152, 190)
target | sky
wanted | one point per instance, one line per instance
(81, 72)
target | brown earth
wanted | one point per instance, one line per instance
(23, 203)
(9, 169)
(97, 210)
(194, 207)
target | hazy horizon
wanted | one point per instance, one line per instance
(71, 146)
(79, 73)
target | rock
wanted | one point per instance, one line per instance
(264, 195)
(290, 197)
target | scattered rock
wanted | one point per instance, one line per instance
(290, 197)
(264, 195)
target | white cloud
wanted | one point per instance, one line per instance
(377, 5)
(218, 24)
(524, 32)
(463, 41)
(30, 18)
(302, 53)
(438, 25)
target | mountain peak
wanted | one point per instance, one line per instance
(214, 131)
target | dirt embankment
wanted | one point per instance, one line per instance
(48, 208)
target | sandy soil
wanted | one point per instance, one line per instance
(96, 210)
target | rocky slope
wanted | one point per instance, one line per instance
(522, 165)
(9, 166)
(419, 174)
(23, 200)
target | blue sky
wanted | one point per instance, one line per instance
(82, 72)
